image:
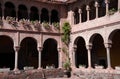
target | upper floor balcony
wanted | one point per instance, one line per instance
(10, 23)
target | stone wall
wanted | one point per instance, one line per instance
(32, 74)
(96, 74)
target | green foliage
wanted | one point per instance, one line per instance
(46, 25)
(112, 11)
(56, 25)
(66, 33)
(66, 65)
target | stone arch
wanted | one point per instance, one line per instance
(102, 8)
(81, 57)
(28, 53)
(84, 13)
(34, 15)
(76, 15)
(0, 10)
(44, 15)
(22, 12)
(114, 38)
(113, 4)
(98, 51)
(92, 10)
(54, 16)
(50, 53)
(7, 53)
(9, 10)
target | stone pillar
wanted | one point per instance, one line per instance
(108, 46)
(3, 11)
(39, 16)
(39, 57)
(89, 47)
(71, 17)
(119, 5)
(73, 56)
(96, 5)
(107, 6)
(60, 57)
(28, 14)
(49, 17)
(80, 15)
(16, 13)
(88, 12)
(16, 58)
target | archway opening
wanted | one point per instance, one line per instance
(54, 16)
(81, 57)
(115, 49)
(92, 10)
(50, 53)
(113, 5)
(84, 13)
(9, 10)
(22, 12)
(7, 54)
(98, 51)
(34, 14)
(28, 54)
(102, 8)
(76, 16)
(44, 15)
(0, 10)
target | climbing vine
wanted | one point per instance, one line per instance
(66, 33)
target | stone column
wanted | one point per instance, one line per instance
(89, 47)
(88, 12)
(60, 57)
(96, 5)
(3, 11)
(119, 5)
(28, 14)
(108, 46)
(39, 57)
(73, 56)
(107, 6)
(49, 17)
(39, 16)
(16, 58)
(16, 13)
(80, 15)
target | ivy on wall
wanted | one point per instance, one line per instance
(66, 33)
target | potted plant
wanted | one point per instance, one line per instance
(67, 68)
(111, 11)
(56, 25)
(82, 66)
(46, 25)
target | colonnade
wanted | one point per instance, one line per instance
(96, 5)
(89, 47)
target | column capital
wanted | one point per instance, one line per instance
(40, 48)
(80, 11)
(108, 45)
(89, 46)
(96, 4)
(17, 48)
(74, 48)
(87, 7)
(107, 1)
(59, 49)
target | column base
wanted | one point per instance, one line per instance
(39, 68)
(109, 68)
(89, 68)
(16, 69)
